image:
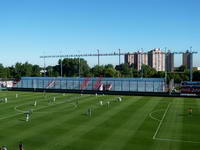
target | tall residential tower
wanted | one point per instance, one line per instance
(156, 59)
(187, 59)
(141, 58)
(169, 61)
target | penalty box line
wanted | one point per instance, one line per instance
(161, 121)
(176, 140)
(166, 139)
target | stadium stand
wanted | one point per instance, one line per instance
(109, 84)
(85, 83)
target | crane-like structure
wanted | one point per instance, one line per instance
(119, 54)
(86, 55)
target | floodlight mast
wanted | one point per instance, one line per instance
(44, 69)
(79, 67)
(191, 63)
(165, 66)
(61, 66)
(141, 59)
(98, 57)
(119, 57)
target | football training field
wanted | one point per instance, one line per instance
(98, 122)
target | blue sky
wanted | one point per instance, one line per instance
(30, 28)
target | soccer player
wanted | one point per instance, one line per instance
(4, 148)
(89, 112)
(101, 103)
(119, 99)
(21, 147)
(54, 99)
(6, 100)
(16, 95)
(96, 94)
(35, 103)
(27, 117)
(108, 103)
(190, 111)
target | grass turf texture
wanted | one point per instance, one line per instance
(139, 123)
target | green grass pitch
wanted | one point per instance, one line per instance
(135, 123)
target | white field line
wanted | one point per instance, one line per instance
(166, 139)
(154, 118)
(43, 112)
(158, 128)
(10, 116)
(176, 140)
(45, 106)
(35, 110)
(21, 112)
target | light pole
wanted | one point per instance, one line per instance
(44, 66)
(79, 67)
(166, 67)
(98, 57)
(119, 56)
(61, 68)
(142, 62)
(191, 63)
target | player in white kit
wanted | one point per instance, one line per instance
(27, 117)
(101, 103)
(119, 99)
(6, 100)
(108, 103)
(35, 103)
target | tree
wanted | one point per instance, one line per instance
(182, 68)
(3, 73)
(196, 75)
(35, 71)
(125, 70)
(148, 71)
(72, 67)
(26, 69)
(110, 71)
(160, 74)
(84, 68)
(97, 71)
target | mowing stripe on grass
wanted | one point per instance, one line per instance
(86, 126)
(16, 114)
(128, 128)
(146, 130)
(158, 128)
(171, 127)
(125, 125)
(31, 128)
(106, 129)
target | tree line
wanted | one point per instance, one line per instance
(75, 67)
